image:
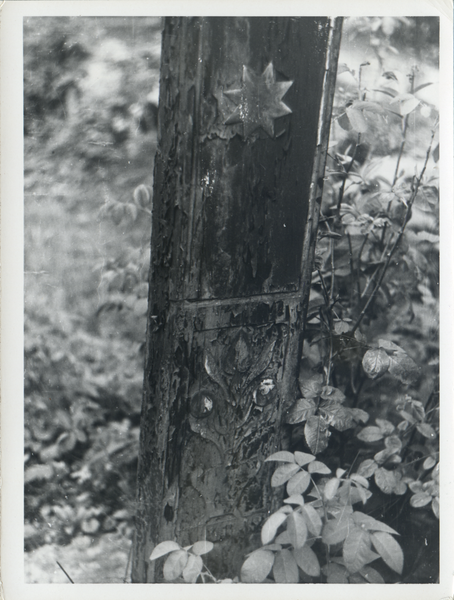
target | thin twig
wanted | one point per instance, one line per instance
(399, 235)
(64, 571)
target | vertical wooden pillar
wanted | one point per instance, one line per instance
(239, 114)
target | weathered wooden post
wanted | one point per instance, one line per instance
(244, 119)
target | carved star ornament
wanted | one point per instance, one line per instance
(259, 101)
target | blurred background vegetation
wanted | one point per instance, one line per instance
(90, 110)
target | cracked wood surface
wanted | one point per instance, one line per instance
(226, 292)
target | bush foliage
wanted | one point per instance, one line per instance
(363, 471)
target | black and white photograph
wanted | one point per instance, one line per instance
(233, 295)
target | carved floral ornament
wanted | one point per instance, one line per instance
(258, 101)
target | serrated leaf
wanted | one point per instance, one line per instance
(174, 565)
(283, 473)
(316, 434)
(202, 547)
(375, 363)
(303, 459)
(371, 524)
(403, 368)
(307, 561)
(285, 569)
(318, 467)
(299, 483)
(426, 430)
(371, 575)
(336, 530)
(295, 499)
(282, 456)
(312, 387)
(271, 526)
(339, 417)
(335, 573)
(297, 529)
(164, 548)
(355, 549)
(331, 393)
(192, 569)
(389, 550)
(420, 499)
(331, 488)
(370, 434)
(257, 566)
(313, 520)
(301, 411)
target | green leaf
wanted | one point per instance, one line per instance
(271, 526)
(340, 417)
(331, 393)
(174, 564)
(297, 529)
(257, 566)
(371, 524)
(331, 488)
(301, 411)
(355, 549)
(202, 547)
(389, 550)
(359, 414)
(386, 480)
(403, 368)
(371, 575)
(429, 463)
(336, 530)
(356, 119)
(285, 569)
(359, 479)
(385, 426)
(307, 561)
(344, 122)
(407, 103)
(370, 434)
(422, 86)
(436, 507)
(283, 474)
(316, 434)
(313, 520)
(318, 467)
(312, 387)
(426, 430)
(335, 573)
(420, 499)
(303, 459)
(375, 363)
(282, 456)
(295, 499)
(283, 538)
(393, 443)
(299, 483)
(192, 569)
(164, 548)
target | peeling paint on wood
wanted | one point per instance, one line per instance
(230, 208)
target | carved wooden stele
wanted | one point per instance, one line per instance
(239, 113)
